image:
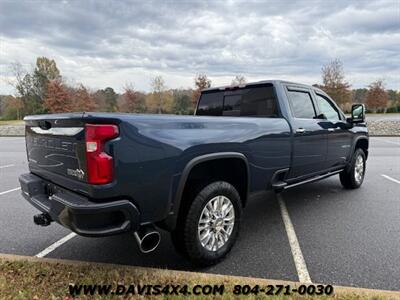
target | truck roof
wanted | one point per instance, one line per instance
(272, 81)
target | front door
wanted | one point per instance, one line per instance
(310, 138)
(339, 137)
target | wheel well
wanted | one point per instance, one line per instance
(362, 144)
(231, 170)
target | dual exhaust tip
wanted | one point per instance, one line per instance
(147, 237)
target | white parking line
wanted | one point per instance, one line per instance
(57, 244)
(7, 139)
(390, 178)
(6, 166)
(298, 258)
(52, 247)
(391, 142)
(9, 191)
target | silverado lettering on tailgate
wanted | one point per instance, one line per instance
(52, 143)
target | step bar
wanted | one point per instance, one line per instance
(282, 185)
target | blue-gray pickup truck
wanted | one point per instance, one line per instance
(102, 174)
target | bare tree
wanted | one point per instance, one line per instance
(131, 100)
(31, 86)
(18, 72)
(201, 82)
(239, 80)
(158, 88)
(334, 83)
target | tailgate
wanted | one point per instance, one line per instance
(56, 145)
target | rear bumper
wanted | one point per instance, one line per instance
(76, 212)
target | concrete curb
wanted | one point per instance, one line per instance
(247, 280)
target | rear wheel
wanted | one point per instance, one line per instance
(207, 232)
(353, 176)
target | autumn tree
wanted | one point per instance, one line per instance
(239, 80)
(159, 100)
(2, 104)
(111, 99)
(393, 101)
(82, 100)
(335, 85)
(100, 100)
(131, 100)
(201, 82)
(377, 97)
(106, 100)
(26, 88)
(12, 108)
(45, 71)
(182, 102)
(32, 87)
(358, 95)
(57, 98)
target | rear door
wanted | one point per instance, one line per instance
(339, 137)
(310, 138)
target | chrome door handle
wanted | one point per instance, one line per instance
(331, 129)
(300, 130)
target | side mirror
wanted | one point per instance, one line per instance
(358, 113)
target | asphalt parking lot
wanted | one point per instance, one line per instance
(349, 238)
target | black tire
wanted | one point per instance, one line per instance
(348, 177)
(186, 238)
(178, 233)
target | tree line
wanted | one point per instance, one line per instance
(44, 90)
(376, 97)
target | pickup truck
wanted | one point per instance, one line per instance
(103, 174)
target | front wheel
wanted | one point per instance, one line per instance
(210, 227)
(353, 176)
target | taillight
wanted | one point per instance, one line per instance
(100, 165)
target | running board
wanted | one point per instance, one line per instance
(280, 185)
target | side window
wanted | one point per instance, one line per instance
(327, 108)
(259, 101)
(255, 101)
(301, 104)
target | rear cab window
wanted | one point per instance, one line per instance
(253, 101)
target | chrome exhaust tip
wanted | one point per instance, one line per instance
(147, 238)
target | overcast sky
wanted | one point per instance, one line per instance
(112, 43)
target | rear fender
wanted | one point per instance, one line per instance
(170, 222)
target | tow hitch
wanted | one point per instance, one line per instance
(42, 219)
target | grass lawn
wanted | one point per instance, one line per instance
(11, 122)
(31, 278)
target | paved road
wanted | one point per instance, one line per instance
(346, 237)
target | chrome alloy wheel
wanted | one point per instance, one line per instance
(216, 223)
(359, 169)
